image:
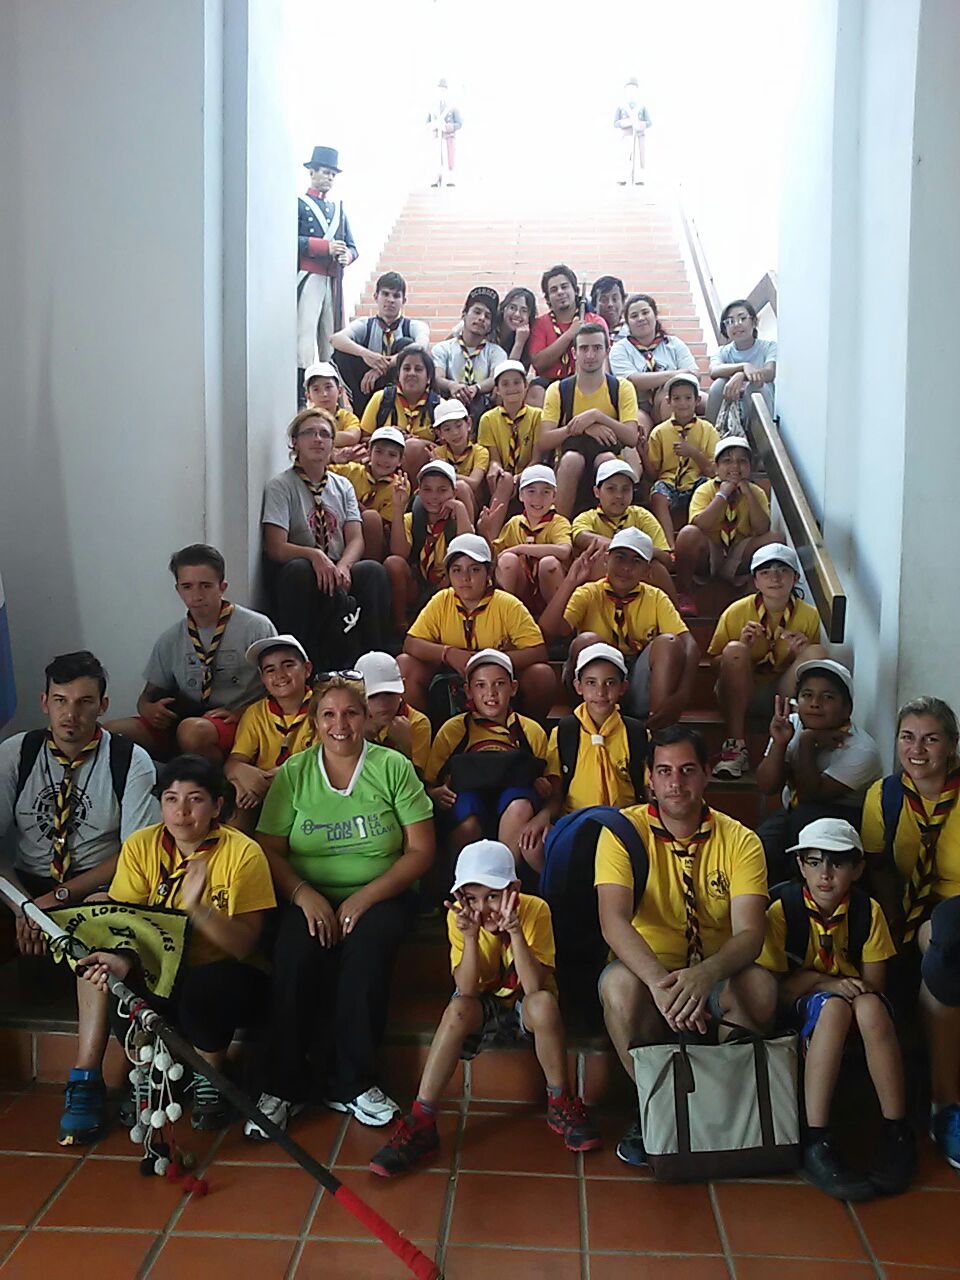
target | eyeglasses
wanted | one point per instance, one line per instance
(340, 675)
(738, 319)
(833, 860)
(311, 433)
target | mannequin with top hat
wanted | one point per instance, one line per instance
(325, 247)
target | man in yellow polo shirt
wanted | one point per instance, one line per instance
(626, 611)
(684, 955)
(593, 428)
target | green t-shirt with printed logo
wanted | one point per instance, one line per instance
(340, 841)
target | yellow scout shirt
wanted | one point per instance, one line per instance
(602, 772)
(503, 622)
(259, 739)
(477, 455)
(700, 433)
(372, 494)
(599, 399)
(649, 615)
(594, 521)
(706, 493)
(411, 420)
(906, 843)
(878, 946)
(734, 618)
(513, 439)
(555, 532)
(496, 970)
(420, 734)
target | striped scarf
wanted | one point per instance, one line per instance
(432, 569)
(412, 413)
(513, 729)
(827, 958)
(683, 464)
(208, 656)
(388, 335)
(513, 448)
(530, 533)
(63, 804)
(316, 488)
(370, 497)
(685, 852)
(174, 864)
(469, 619)
(567, 360)
(616, 523)
(287, 729)
(771, 632)
(916, 898)
(469, 376)
(621, 634)
(728, 525)
(646, 352)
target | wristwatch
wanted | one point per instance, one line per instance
(62, 893)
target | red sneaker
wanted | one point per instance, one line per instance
(412, 1142)
(567, 1116)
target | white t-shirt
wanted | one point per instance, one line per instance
(449, 360)
(671, 353)
(288, 503)
(175, 667)
(98, 825)
(857, 764)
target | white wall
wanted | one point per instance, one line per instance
(112, 340)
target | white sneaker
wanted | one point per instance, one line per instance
(276, 1109)
(372, 1107)
(734, 761)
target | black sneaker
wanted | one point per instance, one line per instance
(895, 1161)
(210, 1110)
(630, 1148)
(412, 1142)
(822, 1166)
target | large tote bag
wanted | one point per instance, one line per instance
(726, 1110)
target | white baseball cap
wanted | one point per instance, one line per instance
(322, 369)
(827, 664)
(486, 862)
(633, 540)
(508, 366)
(491, 657)
(448, 411)
(388, 435)
(731, 442)
(274, 642)
(537, 474)
(615, 467)
(438, 468)
(691, 379)
(381, 673)
(832, 835)
(600, 653)
(775, 551)
(469, 544)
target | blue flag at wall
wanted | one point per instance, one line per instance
(8, 689)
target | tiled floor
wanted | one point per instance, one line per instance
(501, 1199)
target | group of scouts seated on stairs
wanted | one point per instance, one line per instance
(302, 795)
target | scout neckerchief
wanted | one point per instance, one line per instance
(567, 360)
(647, 352)
(616, 523)
(621, 635)
(529, 534)
(469, 375)
(513, 448)
(174, 864)
(455, 461)
(917, 895)
(287, 729)
(388, 335)
(686, 852)
(432, 568)
(63, 804)
(412, 413)
(827, 958)
(794, 793)
(469, 617)
(602, 770)
(683, 465)
(208, 656)
(728, 525)
(512, 728)
(376, 485)
(316, 488)
(771, 633)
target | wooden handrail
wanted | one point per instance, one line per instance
(707, 286)
(764, 293)
(803, 528)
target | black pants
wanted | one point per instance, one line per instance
(781, 830)
(212, 1001)
(346, 986)
(322, 623)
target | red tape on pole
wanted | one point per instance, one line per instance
(421, 1266)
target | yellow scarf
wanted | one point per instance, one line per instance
(598, 764)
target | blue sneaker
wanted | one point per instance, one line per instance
(945, 1131)
(630, 1148)
(82, 1117)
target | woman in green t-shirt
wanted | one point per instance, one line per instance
(348, 830)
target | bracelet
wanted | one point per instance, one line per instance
(293, 896)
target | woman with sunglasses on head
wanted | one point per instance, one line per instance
(336, 603)
(515, 315)
(348, 831)
(747, 363)
(911, 835)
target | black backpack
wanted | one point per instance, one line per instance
(568, 747)
(492, 770)
(121, 754)
(859, 916)
(389, 399)
(569, 385)
(403, 330)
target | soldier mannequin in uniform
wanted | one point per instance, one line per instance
(325, 247)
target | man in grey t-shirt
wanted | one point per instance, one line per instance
(70, 794)
(366, 350)
(197, 680)
(465, 364)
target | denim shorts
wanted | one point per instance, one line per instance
(675, 497)
(808, 1009)
(502, 1025)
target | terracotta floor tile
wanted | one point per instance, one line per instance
(651, 1217)
(894, 1272)
(16, 1056)
(402, 1067)
(788, 1219)
(517, 1143)
(604, 1163)
(250, 1198)
(926, 1243)
(466, 1262)
(6, 1240)
(412, 1204)
(361, 1141)
(116, 1141)
(513, 1074)
(315, 1130)
(31, 1124)
(111, 1193)
(799, 1269)
(106, 1255)
(7, 1100)
(933, 1170)
(655, 1267)
(539, 1211)
(28, 1181)
(217, 1259)
(342, 1260)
